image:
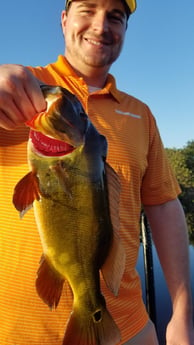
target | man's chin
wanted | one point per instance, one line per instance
(96, 62)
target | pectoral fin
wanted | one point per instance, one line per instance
(25, 192)
(114, 266)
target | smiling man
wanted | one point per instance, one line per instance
(94, 33)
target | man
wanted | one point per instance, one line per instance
(94, 33)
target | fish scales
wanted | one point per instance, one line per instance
(71, 218)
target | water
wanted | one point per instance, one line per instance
(163, 304)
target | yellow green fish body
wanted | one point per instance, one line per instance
(68, 186)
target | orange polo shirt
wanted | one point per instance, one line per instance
(136, 153)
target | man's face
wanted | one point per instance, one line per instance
(94, 31)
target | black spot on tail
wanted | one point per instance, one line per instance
(97, 316)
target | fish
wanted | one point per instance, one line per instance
(75, 194)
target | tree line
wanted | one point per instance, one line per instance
(182, 161)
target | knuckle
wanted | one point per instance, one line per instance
(24, 74)
(11, 76)
(10, 86)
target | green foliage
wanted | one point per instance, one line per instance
(182, 161)
(188, 152)
(178, 162)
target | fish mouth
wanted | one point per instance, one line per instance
(48, 146)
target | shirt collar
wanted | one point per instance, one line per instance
(64, 67)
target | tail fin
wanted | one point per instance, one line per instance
(100, 329)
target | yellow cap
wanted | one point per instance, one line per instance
(130, 3)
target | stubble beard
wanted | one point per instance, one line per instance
(81, 57)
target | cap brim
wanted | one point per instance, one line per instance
(130, 3)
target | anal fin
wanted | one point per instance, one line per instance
(49, 284)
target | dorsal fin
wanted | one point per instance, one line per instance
(114, 266)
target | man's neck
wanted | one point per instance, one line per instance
(92, 76)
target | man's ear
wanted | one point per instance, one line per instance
(63, 19)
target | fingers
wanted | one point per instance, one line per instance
(20, 96)
(35, 95)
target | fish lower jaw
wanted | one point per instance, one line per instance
(47, 146)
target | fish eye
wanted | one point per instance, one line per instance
(83, 115)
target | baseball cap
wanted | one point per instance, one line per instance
(131, 4)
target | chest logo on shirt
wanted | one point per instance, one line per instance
(126, 113)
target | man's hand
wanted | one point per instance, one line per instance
(179, 331)
(20, 96)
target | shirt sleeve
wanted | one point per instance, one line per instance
(159, 183)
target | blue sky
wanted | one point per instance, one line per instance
(156, 64)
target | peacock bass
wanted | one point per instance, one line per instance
(75, 196)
